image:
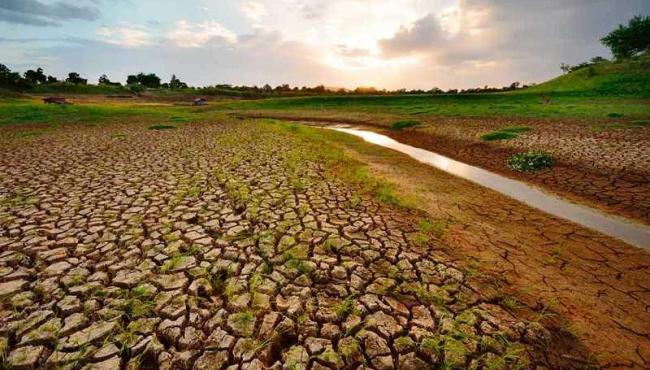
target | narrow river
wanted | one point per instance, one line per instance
(626, 230)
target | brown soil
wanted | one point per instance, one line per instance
(595, 163)
(227, 246)
(576, 281)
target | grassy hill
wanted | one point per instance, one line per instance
(629, 78)
(603, 90)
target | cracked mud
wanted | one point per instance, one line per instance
(221, 246)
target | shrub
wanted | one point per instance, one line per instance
(498, 135)
(615, 115)
(404, 124)
(530, 161)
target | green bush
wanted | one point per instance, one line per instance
(498, 135)
(615, 115)
(404, 124)
(530, 161)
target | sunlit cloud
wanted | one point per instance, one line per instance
(254, 10)
(185, 35)
(126, 35)
(340, 43)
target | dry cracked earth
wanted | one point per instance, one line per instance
(601, 163)
(224, 246)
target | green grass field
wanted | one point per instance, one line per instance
(27, 111)
(474, 105)
(607, 90)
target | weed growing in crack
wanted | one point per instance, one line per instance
(511, 303)
(345, 307)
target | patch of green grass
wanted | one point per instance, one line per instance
(29, 133)
(25, 111)
(641, 122)
(498, 135)
(404, 124)
(243, 318)
(162, 127)
(345, 307)
(615, 115)
(530, 161)
(511, 303)
(515, 129)
(385, 193)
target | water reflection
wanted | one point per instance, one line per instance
(630, 232)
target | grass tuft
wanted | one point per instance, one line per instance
(498, 135)
(515, 129)
(404, 124)
(162, 127)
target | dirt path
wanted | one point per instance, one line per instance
(229, 245)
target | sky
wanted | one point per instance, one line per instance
(413, 44)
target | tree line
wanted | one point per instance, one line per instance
(141, 81)
(31, 78)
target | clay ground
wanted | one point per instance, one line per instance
(254, 244)
(228, 244)
(602, 163)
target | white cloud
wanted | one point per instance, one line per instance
(125, 35)
(254, 10)
(186, 35)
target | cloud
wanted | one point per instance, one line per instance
(385, 43)
(425, 34)
(37, 13)
(185, 35)
(254, 10)
(125, 35)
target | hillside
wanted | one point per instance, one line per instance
(620, 78)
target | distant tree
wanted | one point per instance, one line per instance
(11, 79)
(565, 67)
(595, 60)
(132, 80)
(146, 80)
(52, 79)
(35, 77)
(103, 80)
(75, 78)
(630, 40)
(175, 83)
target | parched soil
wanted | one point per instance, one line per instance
(575, 281)
(229, 245)
(605, 164)
(609, 169)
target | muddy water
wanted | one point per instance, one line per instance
(630, 232)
